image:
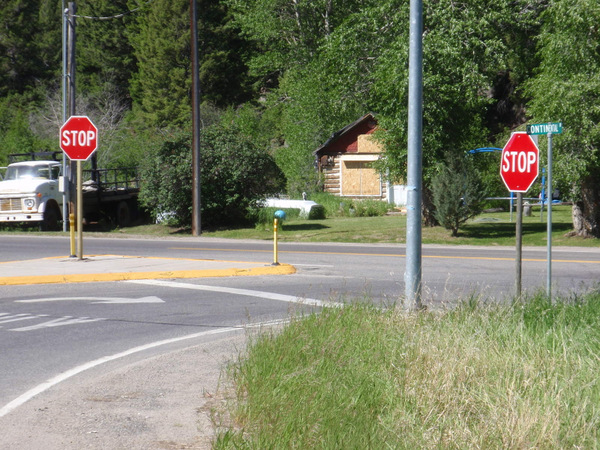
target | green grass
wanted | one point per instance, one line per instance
(486, 229)
(477, 376)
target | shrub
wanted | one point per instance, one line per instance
(457, 193)
(370, 208)
(334, 206)
(341, 206)
(235, 175)
(317, 212)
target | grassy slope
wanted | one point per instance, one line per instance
(475, 377)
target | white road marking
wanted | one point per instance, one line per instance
(67, 320)
(11, 406)
(246, 292)
(109, 300)
(89, 365)
(6, 318)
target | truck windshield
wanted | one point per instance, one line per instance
(26, 172)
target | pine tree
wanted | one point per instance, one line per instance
(160, 88)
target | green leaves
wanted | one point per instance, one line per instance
(567, 88)
(457, 192)
(235, 174)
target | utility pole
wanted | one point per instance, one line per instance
(65, 17)
(412, 277)
(196, 180)
(71, 69)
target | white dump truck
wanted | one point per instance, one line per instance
(32, 191)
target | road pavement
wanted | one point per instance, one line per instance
(157, 401)
(150, 400)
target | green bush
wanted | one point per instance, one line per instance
(317, 212)
(342, 207)
(235, 175)
(370, 208)
(334, 206)
(457, 193)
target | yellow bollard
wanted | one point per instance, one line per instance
(72, 233)
(275, 259)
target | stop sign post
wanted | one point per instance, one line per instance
(520, 162)
(78, 140)
(519, 167)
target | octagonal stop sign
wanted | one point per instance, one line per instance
(78, 138)
(519, 166)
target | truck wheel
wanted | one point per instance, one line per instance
(51, 219)
(123, 214)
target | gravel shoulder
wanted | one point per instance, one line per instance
(162, 402)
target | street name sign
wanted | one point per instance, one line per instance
(545, 128)
(519, 166)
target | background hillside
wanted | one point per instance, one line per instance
(285, 74)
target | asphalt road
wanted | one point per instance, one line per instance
(47, 330)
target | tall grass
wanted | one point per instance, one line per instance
(346, 207)
(483, 376)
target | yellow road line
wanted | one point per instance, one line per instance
(391, 255)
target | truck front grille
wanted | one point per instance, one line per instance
(10, 204)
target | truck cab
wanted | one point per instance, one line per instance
(29, 192)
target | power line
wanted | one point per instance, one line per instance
(116, 16)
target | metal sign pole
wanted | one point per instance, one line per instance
(414, 176)
(79, 212)
(65, 202)
(543, 194)
(549, 224)
(548, 129)
(519, 244)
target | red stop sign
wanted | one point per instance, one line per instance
(78, 138)
(520, 163)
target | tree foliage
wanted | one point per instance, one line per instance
(29, 43)
(567, 88)
(457, 192)
(288, 32)
(105, 57)
(161, 42)
(289, 73)
(235, 175)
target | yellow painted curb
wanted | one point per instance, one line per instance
(282, 269)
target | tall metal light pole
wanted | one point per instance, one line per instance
(65, 15)
(412, 277)
(71, 70)
(196, 185)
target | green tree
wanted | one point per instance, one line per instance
(360, 64)
(235, 174)
(324, 95)
(457, 192)
(29, 44)
(15, 133)
(105, 57)
(161, 41)
(567, 88)
(465, 48)
(288, 32)
(224, 78)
